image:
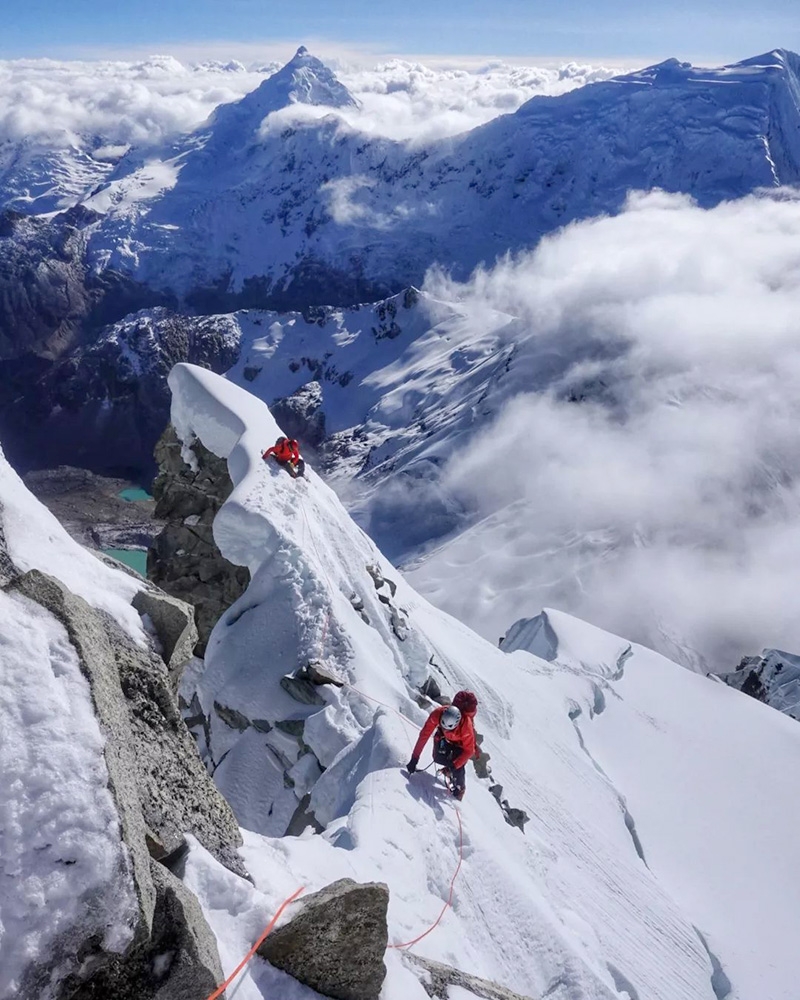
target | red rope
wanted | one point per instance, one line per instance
(221, 989)
(383, 704)
(449, 902)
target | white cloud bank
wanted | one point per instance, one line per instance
(155, 99)
(665, 504)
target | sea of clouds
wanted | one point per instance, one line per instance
(155, 99)
(665, 504)
(653, 487)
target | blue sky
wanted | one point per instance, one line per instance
(714, 30)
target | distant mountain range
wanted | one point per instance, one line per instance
(276, 203)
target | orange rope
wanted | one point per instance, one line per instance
(449, 902)
(221, 989)
(408, 722)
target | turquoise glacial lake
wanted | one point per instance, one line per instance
(134, 493)
(135, 558)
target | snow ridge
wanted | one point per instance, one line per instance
(566, 909)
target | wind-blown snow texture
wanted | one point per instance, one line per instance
(632, 770)
(267, 206)
(64, 868)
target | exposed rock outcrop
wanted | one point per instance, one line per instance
(161, 791)
(173, 621)
(439, 978)
(336, 942)
(773, 677)
(184, 559)
(7, 568)
(173, 956)
(156, 774)
(301, 415)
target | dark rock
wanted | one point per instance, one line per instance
(292, 727)
(514, 817)
(336, 942)
(438, 979)
(481, 759)
(301, 415)
(315, 675)
(231, 717)
(177, 960)
(358, 605)
(301, 689)
(431, 689)
(184, 559)
(160, 785)
(773, 677)
(303, 819)
(380, 580)
(7, 568)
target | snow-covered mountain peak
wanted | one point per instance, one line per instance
(674, 73)
(303, 80)
(307, 80)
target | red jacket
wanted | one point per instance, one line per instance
(286, 450)
(463, 735)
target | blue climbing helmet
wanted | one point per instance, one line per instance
(450, 718)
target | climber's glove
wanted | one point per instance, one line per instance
(411, 766)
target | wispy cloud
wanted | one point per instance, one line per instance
(653, 486)
(153, 99)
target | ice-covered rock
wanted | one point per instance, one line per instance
(773, 677)
(285, 203)
(442, 980)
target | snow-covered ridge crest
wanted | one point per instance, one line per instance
(614, 887)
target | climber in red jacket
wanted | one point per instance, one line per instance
(286, 452)
(454, 742)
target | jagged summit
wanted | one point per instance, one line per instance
(303, 80)
(307, 80)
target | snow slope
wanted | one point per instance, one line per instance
(400, 383)
(273, 203)
(631, 769)
(40, 175)
(36, 540)
(59, 829)
(60, 842)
